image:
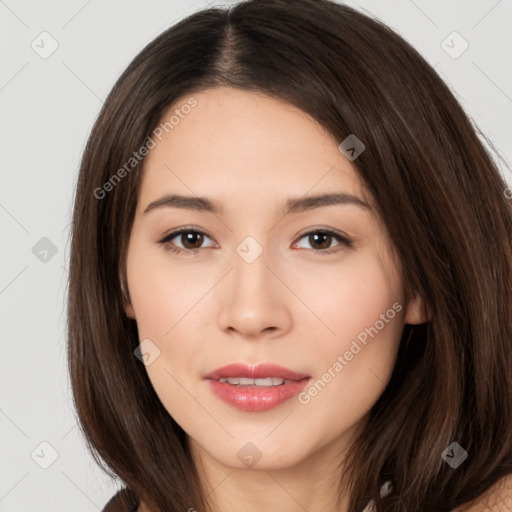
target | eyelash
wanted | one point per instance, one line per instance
(344, 241)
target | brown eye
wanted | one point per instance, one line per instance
(185, 240)
(192, 239)
(320, 241)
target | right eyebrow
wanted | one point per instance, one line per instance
(187, 202)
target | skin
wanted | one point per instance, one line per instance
(292, 306)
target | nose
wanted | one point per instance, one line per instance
(253, 300)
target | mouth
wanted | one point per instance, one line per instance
(266, 382)
(256, 388)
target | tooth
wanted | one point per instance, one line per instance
(264, 382)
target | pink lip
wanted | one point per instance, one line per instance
(259, 371)
(256, 398)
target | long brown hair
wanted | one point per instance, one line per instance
(437, 189)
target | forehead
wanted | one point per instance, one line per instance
(244, 141)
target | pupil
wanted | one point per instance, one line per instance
(322, 235)
(189, 238)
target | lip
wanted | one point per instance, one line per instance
(259, 371)
(256, 398)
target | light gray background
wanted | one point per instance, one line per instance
(47, 109)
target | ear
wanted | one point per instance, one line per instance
(130, 312)
(128, 308)
(416, 312)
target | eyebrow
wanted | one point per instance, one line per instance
(292, 205)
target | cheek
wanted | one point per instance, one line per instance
(161, 295)
(354, 363)
(349, 297)
(167, 304)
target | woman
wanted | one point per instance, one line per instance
(290, 275)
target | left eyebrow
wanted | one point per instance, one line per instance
(295, 205)
(292, 205)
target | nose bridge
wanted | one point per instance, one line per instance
(253, 302)
(251, 277)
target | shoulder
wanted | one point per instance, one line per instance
(498, 498)
(123, 501)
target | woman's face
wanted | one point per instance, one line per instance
(256, 284)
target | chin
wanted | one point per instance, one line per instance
(258, 454)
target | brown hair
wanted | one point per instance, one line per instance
(438, 191)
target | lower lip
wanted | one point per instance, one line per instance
(256, 399)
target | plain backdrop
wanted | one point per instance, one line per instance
(48, 103)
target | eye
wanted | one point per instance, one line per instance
(322, 240)
(191, 239)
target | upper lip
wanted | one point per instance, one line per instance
(259, 371)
